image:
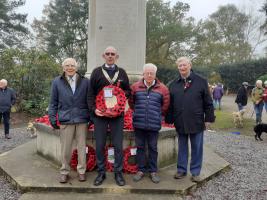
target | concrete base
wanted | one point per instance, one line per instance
(48, 143)
(29, 172)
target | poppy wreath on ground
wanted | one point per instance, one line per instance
(129, 167)
(109, 165)
(90, 159)
(118, 107)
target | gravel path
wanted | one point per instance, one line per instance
(19, 136)
(247, 178)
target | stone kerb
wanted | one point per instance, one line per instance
(48, 144)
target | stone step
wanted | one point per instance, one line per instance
(83, 196)
(29, 172)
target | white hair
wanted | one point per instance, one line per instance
(259, 82)
(4, 81)
(70, 59)
(111, 47)
(150, 65)
(184, 58)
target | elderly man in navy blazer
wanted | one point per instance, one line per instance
(69, 102)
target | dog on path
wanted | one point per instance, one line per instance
(239, 118)
(259, 129)
(32, 130)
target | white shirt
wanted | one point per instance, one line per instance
(72, 82)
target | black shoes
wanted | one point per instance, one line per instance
(119, 179)
(102, 176)
(99, 179)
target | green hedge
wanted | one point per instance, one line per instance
(234, 74)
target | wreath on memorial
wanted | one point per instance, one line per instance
(90, 159)
(45, 120)
(118, 107)
(129, 165)
(109, 165)
(128, 120)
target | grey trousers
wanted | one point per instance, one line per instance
(69, 133)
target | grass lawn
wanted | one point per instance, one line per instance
(225, 122)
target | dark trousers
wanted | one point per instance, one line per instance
(100, 132)
(151, 138)
(6, 118)
(196, 141)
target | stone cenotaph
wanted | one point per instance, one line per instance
(118, 23)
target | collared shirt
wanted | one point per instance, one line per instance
(108, 66)
(153, 83)
(72, 82)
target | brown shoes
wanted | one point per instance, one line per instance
(82, 177)
(63, 178)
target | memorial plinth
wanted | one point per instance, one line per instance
(48, 144)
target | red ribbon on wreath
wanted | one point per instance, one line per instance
(129, 168)
(109, 165)
(118, 109)
(90, 159)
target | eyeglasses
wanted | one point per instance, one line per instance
(149, 73)
(110, 54)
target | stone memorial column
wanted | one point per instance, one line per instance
(118, 23)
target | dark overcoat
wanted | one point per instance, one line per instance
(191, 104)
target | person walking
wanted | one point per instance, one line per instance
(108, 74)
(68, 101)
(242, 96)
(217, 96)
(7, 99)
(150, 101)
(191, 110)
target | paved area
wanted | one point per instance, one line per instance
(39, 175)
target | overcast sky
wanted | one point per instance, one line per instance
(199, 9)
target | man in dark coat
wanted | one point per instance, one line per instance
(191, 111)
(242, 96)
(150, 100)
(108, 74)
(7, 99)
(69, 102)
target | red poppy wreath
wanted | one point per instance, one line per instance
(111, 106)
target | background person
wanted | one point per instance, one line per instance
(242, 96)
(69, 101)
(7, 99)
(108, 74)
(217, 96)
(150, 100)
(257, 99)
(265, 95)
(191, 110)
